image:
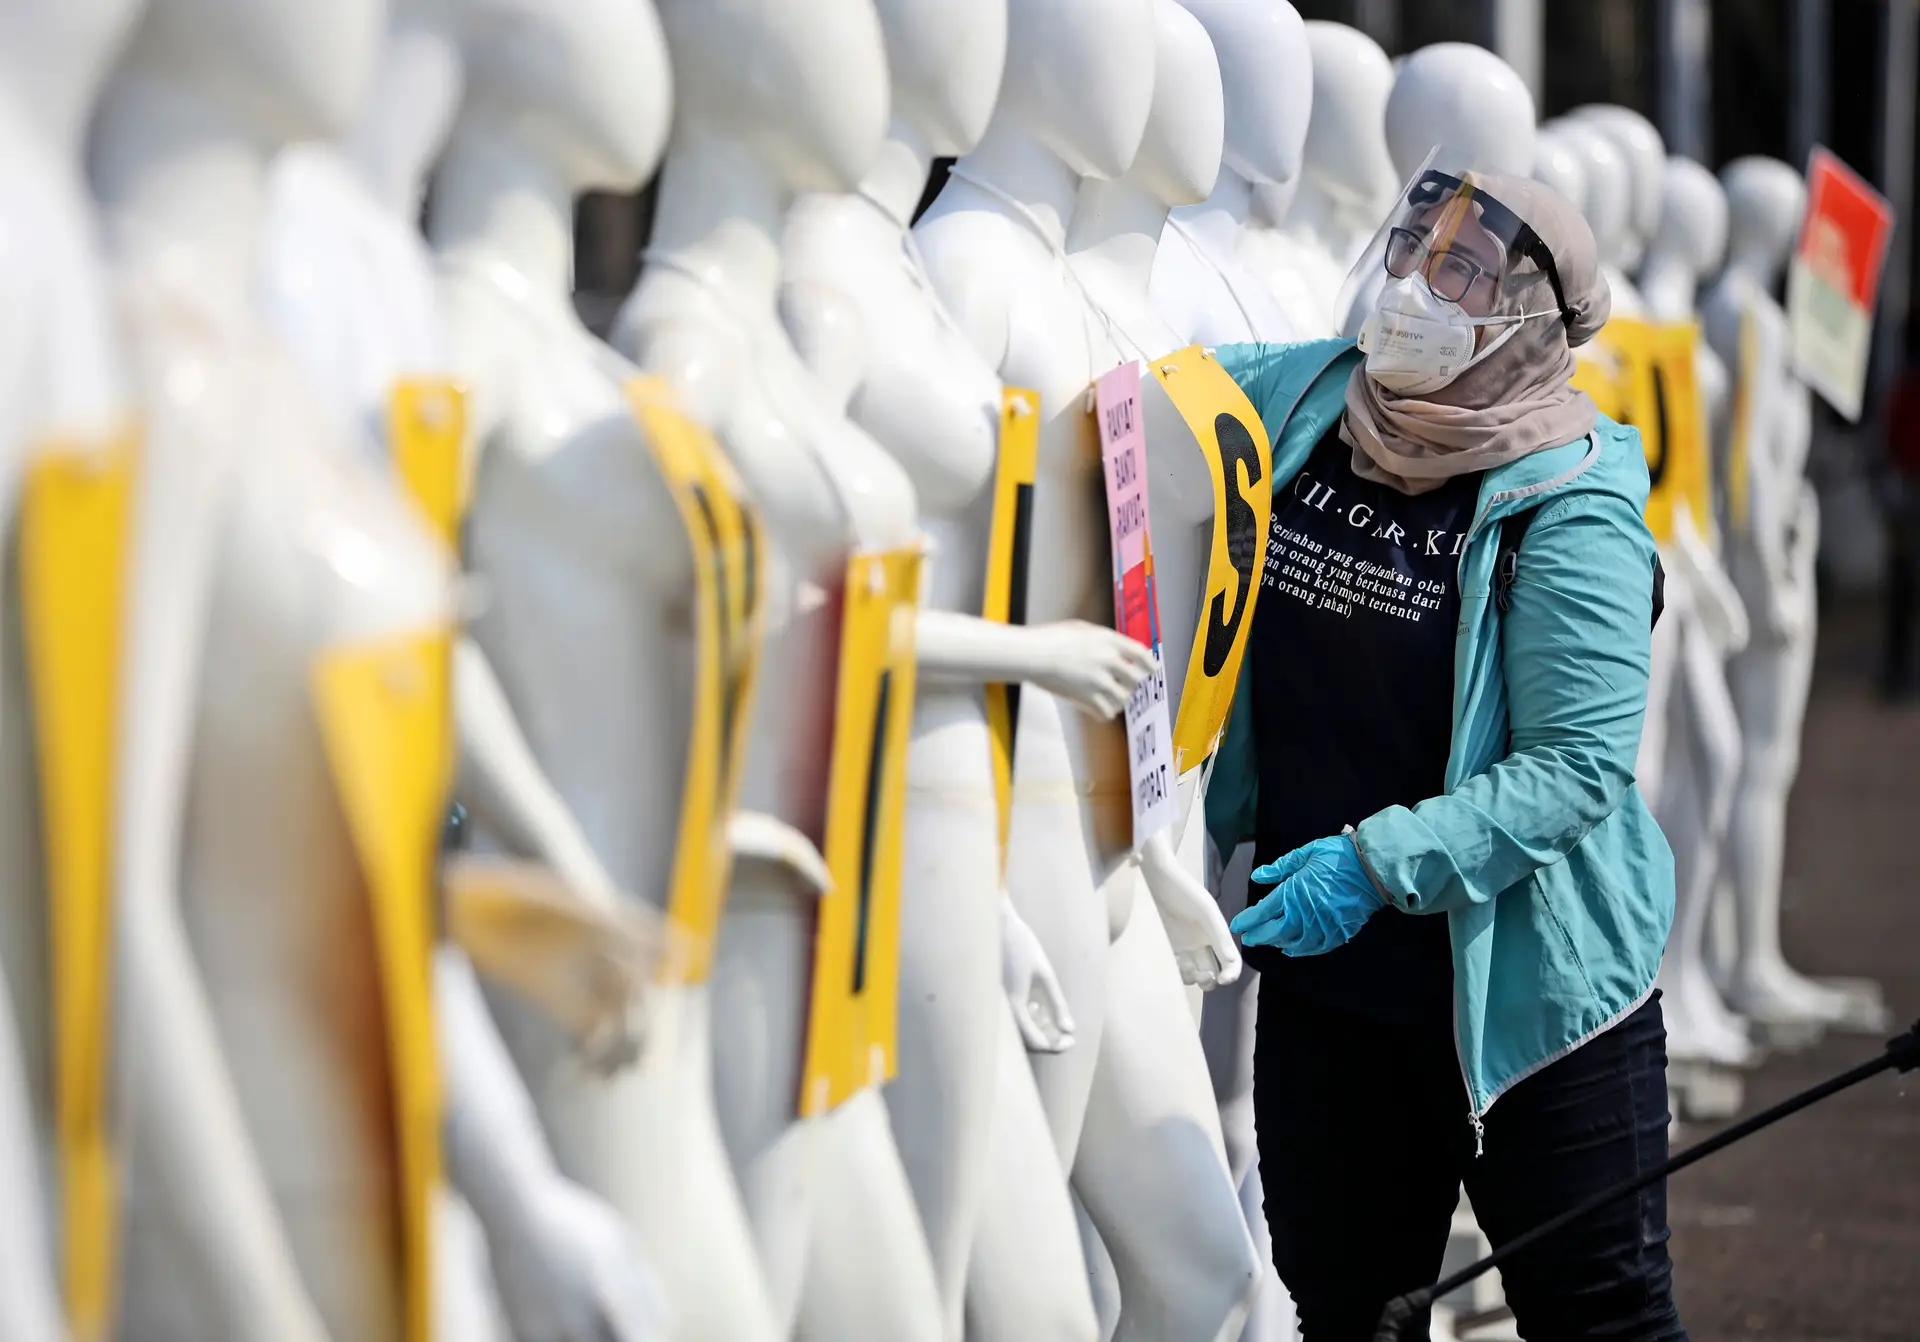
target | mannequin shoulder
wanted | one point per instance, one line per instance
(829, 333)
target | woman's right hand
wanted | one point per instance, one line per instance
(1095, 667)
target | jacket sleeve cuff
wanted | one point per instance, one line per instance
(1386, 896)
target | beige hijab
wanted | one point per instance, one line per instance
(1520, 398)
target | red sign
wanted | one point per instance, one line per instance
(1833, 279)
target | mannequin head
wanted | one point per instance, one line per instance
(1606, 200)
(285, 69)
(1266, 71)
(1073, 79)
(1693, 220)
(1765, 199)
(1463, 96)
(1645, 155)
(54, 55)
(1180, 153)
(583, 83)
(1556, 164)
(944, 59)
(802, 87)
(416, 94)
(1346, 137)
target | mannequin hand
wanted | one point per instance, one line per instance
(1097, 668)
(570, 1270)
(1322, 896)
(755, 837)
(1033, 989)
(1202, 942)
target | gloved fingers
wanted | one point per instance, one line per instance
(1278, 870)
(1255, 916)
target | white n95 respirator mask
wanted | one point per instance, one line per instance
(1417, 342)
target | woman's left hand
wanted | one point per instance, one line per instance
(1322, 896)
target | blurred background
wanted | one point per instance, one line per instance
(1811, 1230)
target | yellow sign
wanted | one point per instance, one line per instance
(1660, 396)
(1009, 552)
(1597, 373)
(383, 713)
(723, 531)
(75, 524)
(1234, 442)
(426, 433)
(852, 1022)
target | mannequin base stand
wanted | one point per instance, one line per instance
(1703, 1092)
(1902, 1054)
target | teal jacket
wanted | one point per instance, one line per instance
(1556, 883)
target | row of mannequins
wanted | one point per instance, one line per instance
(516, 836)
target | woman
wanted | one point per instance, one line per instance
(1432, 751)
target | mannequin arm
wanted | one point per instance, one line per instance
(505, 787)
(1722, 614)
(1203, 945)
(191, 1140)
(29, 1304)
(1095, 667)
(566, 1265)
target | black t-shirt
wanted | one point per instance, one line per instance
(1352, 665)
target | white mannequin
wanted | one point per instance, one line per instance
(1697, 725)
(1645, 153)
(1349, 176)
(1556, 164)
(62, 386)
(1770, 552)
(1461, 96)
(349, 283)
(1211, 277)
(1608, 205)
(927, 397)
(1071, 107)
(264, 1200)
(829, 1200)
(565, 521)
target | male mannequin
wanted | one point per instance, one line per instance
(1696, 730)
(568, 512)
(1772, 534)
(929, 399)
(1348, 176)
(63, 400)
(829, 1200)
(280, 795)
(1461, 96)
(1074, 104)
(349, 284)
(1211, 278)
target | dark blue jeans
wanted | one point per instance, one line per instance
(1365, 1143)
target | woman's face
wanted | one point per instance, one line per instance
(1463, 263)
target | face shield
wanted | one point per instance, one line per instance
(1451, 254)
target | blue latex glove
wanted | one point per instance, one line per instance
(1323, 896)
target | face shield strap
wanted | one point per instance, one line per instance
(1535, 249)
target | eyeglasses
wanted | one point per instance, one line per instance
(1449, 274)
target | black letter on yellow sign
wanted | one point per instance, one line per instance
(876, 779)
(1236, 448)
(1657, 468)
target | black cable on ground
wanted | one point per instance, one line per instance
(1902, 1054)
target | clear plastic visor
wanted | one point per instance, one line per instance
(1470, 249)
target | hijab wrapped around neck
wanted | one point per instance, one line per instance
(1517, 400)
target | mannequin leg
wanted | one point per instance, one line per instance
(1649, 767)
(1271, 1318)
(1050, 878)
(466, 1308)
(1704, 749)
(869, 1275)
(1152, 1168)
(761, 975)
(1226, 1033)
(1102, 1279)
(941, 1101)
(1027, 1279)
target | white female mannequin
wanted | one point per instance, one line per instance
(1211, 277)
(929, 399)
(1461, 96)
(62, 390)
(1701, 731)
(1645, 154)
(587, 626)
(271, 1195)
(1770, 553)
(1072, 106)
(349, 283)
(829, 1201)
(1349, 175)
(1608, 206)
